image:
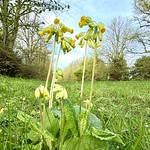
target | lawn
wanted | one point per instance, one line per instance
(123, 107)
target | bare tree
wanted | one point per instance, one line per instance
(117, 43)
(11, 19)
(29, 45)
(32, 49)
(142, 17)
(117, 38)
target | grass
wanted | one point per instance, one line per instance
(123, 107)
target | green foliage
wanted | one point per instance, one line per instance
(142, 68)
(123, 111)
(9, 63)
(118, 69)
(86, 142)
(11, 16)
(70, 123)
(100, 70)
(30, 71)
(93, 135)
(68, 73)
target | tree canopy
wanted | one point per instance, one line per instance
(142, 17)
(11, 19)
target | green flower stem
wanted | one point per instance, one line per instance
(53, 80)
(61, 139)
(83, 74)
(50, 65)
(93, 72)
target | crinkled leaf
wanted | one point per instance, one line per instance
(106, 135)
(37, 127)
(34, 136)
(83, 121)
(86, 142)
(70, 118)
(51, 122)
(94, 121)
(37, 146)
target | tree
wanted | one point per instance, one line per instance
(117, 44)
(142, 68)
(142, 17)
(11, 15)
(68, 73)
(118, 69)
(33, 51)
(100, 70)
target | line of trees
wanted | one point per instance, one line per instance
(23, 53)
(104, 71)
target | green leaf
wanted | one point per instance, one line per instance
(71, 122)
(34, 136)
(51, 122)
(86, 142)
(37, 127)
(83, 121)
(106, 135)
(37, 146)
(94, 121)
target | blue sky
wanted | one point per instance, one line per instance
(98, 10)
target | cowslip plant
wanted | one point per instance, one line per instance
(57, 30)
(68, 126)
(92, 37)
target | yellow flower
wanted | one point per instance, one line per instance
(81, 24)
(77, 36)
(42, 92)
(85, 38)
(61, 37)
(64, 47)
(101, 27)
(37, 93)
(48, 31)
(83, 19)
(103, 30)
(46, 40)
(56, 21)
(71, 31)
(61, 92)
(73, 43)
(63, 29)
(41, 33)
(46, 94)
(98, 45)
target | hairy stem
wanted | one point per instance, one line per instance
(53, 80)
(93, 72)
(50, 65)
(83, 74)
(61, 125)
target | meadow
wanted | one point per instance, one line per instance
(123, 107)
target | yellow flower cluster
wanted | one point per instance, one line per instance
(42, 92)
(93, 35)
(60, 91)
(82, 21)
(58, 29)
(67, 44)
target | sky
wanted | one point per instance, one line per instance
(99, 10)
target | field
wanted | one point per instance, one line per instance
(123, 107)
